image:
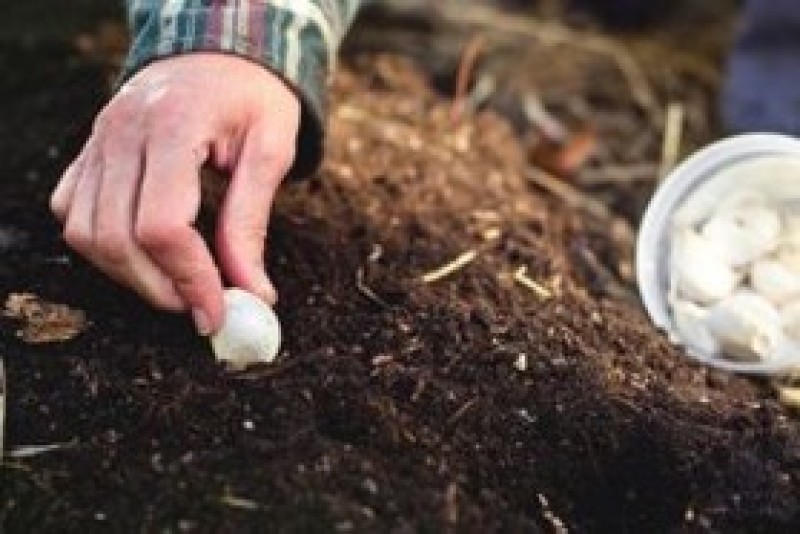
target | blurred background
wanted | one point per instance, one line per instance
(590, 85)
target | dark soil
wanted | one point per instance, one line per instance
(396, 405)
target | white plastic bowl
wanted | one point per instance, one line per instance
(653, 244)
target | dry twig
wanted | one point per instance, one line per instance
(465, 70)
(619, 174)
(570, 195)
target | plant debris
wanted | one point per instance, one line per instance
(42, 321)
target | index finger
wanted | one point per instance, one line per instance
(169, 200)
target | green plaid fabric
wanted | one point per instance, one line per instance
(298, 39)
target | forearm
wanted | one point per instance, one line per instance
(297, 39)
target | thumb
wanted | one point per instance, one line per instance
(244, 216)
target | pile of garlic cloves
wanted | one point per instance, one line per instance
(734, 287)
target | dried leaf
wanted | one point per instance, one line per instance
(566, 158)
(43, 321)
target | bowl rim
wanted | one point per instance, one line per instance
(669, 195)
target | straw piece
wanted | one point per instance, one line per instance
(673, 135)
(538, 289)
(446, 270)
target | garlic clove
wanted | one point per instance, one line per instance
(690, 324)
(700, 205)
(790, 320)
(250, 333)
(740, 199)
(747, 327)
(742, 184)
(788, 349)
(699, 270)
(791, 226)
(788, 252)
(774, 280)
(777, 176)
(744, 232)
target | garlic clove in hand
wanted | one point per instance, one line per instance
(250, 333)
(690, 323)
(746, 325)
(744, 232)
(775, 281)
(700, 271)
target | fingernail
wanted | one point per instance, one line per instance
(267, 292)
(201, 322)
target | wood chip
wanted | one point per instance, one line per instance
(43, 321)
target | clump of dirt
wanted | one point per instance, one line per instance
(492, 399)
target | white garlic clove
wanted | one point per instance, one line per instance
(775, 281)
(250, 333)
(699, 270)
(744, 233)
(747, 327)
(700, 205)
(740, 199)
(690, 324)
(788, 349)
(788, 252)
(790, 320)
(791, 226)
(742, 184)
(777, 176)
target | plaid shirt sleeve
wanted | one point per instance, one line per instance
(297, 39)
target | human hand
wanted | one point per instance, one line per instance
(129, 201)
